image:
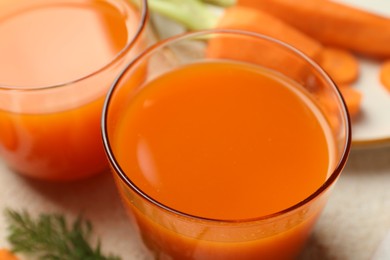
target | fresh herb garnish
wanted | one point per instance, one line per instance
(49, 237)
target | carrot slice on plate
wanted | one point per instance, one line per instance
(341, 65)
(385, 74)
(353, 99)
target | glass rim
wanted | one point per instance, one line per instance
(335, 173)
(140, 28)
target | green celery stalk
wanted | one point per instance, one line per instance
(192, 14)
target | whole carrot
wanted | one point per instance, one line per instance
(332, 23)
(248, 19)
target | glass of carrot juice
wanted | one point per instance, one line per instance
(227, 147)
(58, 60)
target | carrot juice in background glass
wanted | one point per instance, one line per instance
(223, 154)
(58, 59)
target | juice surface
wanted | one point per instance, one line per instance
(57, 43)
(224, 141)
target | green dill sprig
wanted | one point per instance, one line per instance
(49, 237)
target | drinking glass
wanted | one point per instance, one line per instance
(58, 60)
(170, 232)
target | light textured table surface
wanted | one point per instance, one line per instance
(353, 225)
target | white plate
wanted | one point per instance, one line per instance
(372, 127)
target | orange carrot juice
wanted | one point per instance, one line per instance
(58, 59)
(223, 142)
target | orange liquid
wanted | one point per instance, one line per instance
(58, 43)
(59, 146)
(51, 44)
(223, 141)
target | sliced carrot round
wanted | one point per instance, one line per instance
(341, 65)
(385, 74)
(353, 99)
